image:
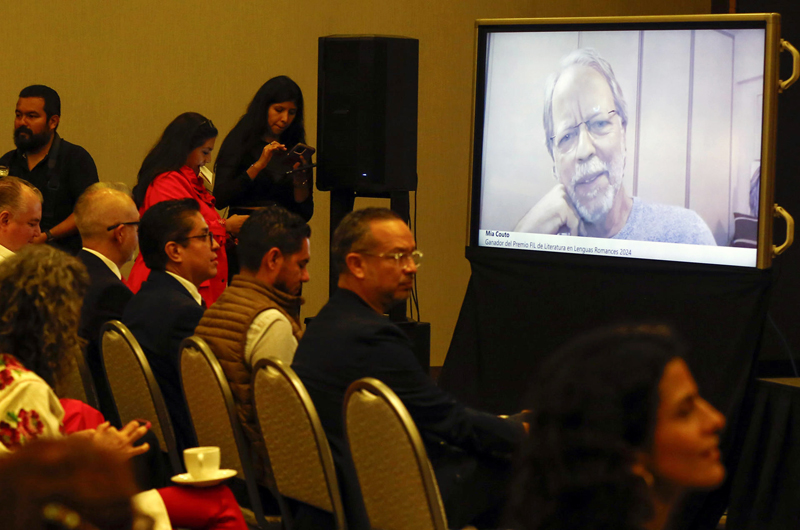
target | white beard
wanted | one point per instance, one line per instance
(590, 207)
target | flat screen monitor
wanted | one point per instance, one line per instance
(641, 138)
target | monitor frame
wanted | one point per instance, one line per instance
(770, 22)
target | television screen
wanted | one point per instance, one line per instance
(638, 140)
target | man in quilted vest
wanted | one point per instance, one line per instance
(258, 315)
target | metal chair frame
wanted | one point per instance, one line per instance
(89, 392)
(164, 422)
(318, 433)
(382, 391)
(242, 443)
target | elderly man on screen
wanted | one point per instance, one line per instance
(585, 122)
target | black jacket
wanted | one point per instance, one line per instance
(105, 300)
(160, 316)
(348, 340)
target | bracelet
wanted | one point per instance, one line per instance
(49, 235)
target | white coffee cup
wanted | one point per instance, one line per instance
(202, 462)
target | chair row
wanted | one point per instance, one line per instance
(396, 477)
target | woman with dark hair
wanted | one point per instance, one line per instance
(272, 124)
(618, 432)
(171, 170)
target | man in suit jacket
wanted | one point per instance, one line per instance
(377, 259)
(108, 222)
(181, 254)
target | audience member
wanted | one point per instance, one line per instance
(59, 169)
(377, 259)
(20, 214)
(43, 288)
(45, 484)
(108, 222)
(171, 171)
(258, 316)
(272, 124)
(618, 431)
(181, 252)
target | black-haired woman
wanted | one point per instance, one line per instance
(618, 432)
(171, 170)
(272, 125)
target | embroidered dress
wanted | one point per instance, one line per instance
(28, 407)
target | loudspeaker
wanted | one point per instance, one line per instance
(367, 114)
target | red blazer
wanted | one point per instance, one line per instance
(180, 185)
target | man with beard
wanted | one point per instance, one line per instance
(59, 169)
(258, 315)
(585, 121)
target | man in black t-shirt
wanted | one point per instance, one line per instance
(59, 169)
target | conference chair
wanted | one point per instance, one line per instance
(397, 481)
(77, 381)
(216, 423)
(134, 387)
(298, 448)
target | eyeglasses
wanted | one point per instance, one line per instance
(209, 237)
(130, 223)
(403, 259)
(206, 121)
(598, 126)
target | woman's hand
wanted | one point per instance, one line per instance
(263, 160)
(120, 441)
(301, 180)
(234, 223)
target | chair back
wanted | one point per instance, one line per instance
(134, 388)
(397, 481)
(77, 382)
(214, 417)
(298, 448)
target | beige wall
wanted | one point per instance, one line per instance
(125, 69)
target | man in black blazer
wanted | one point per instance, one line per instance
(376, 256)
(181, 253)
(108, 222)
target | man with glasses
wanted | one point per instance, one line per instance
(181, 254)
(585, 121)
(258, 315)
(107, 221)
(377, 260)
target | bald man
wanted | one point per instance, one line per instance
(108, 222)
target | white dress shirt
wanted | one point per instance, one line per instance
(192, 288)
(111, 264)
(270, 335)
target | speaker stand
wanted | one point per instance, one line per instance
(342, 202)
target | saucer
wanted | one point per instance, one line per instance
(187, 480)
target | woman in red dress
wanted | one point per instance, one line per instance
(171, 170)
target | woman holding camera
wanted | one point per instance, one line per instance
(272, 125)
